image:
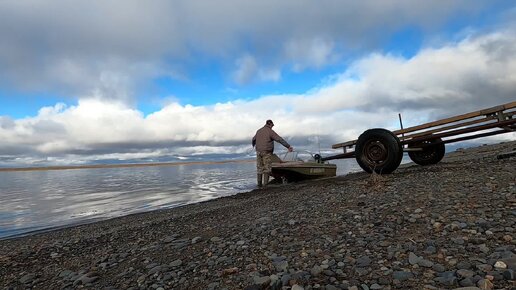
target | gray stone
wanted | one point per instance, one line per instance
(215, 239)
(446, 281)
(402, 275)
(484, 249)
(196, 240)
(155, 270)
(28, 278)
(438, 268)
(464, 265)
(362, 271)
(264, 281)
(85, 279)
(281, 266)
(430, 250)
(484, 267)
(316, 270)
(413, 258)
(167, 277)
(65, 273)
(425, 263)
(509, 274)
(462, 273)
(285, 279)
(363, 261)
(383, 281)
(176, 263)
(170, 239)
(466, 282)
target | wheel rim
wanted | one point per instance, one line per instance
(428, 152)
(375, 152)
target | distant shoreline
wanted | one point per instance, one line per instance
(90, 166)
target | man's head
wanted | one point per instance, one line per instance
(269, 123)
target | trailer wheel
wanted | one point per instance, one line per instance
(431, 154)
(378, 150)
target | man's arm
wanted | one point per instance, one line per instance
(280, 140)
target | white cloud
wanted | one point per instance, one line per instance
(474, 73)
(309, 53)
(248, 70)
(110, 47)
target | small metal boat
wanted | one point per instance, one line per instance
(293, 166)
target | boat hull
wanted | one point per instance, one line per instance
(295, 171)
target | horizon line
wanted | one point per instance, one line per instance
(92, 166)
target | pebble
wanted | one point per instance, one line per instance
(500, 265)
(402, 275)
(28, 278)
(196, 240)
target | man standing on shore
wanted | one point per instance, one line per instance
(264, 142)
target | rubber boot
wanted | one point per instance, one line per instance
(259, 180)
(265, 179)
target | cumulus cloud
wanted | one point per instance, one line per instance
(314, 53)
(102, 51)
(248, 70)
(475, 72)
(471, 74)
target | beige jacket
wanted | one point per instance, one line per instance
(264, 140)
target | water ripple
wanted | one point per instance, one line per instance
(37, 200)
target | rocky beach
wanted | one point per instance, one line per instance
(446, 226)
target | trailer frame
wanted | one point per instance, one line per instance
(380, 150)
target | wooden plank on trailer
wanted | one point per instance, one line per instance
(340, 145)
(475, 136)
(456, 118)
(502, 124)
(464, 124)
(492, 110)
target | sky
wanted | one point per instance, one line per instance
(121, 81)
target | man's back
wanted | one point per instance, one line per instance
(264, 139)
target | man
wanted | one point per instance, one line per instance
(264, 142)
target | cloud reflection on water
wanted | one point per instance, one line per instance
(37, 200)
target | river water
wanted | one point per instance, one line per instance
(38, 200)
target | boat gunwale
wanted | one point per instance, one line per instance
(303, 165)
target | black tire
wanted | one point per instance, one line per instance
(431, 154)
(378, 150)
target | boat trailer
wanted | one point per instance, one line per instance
(379, 150)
